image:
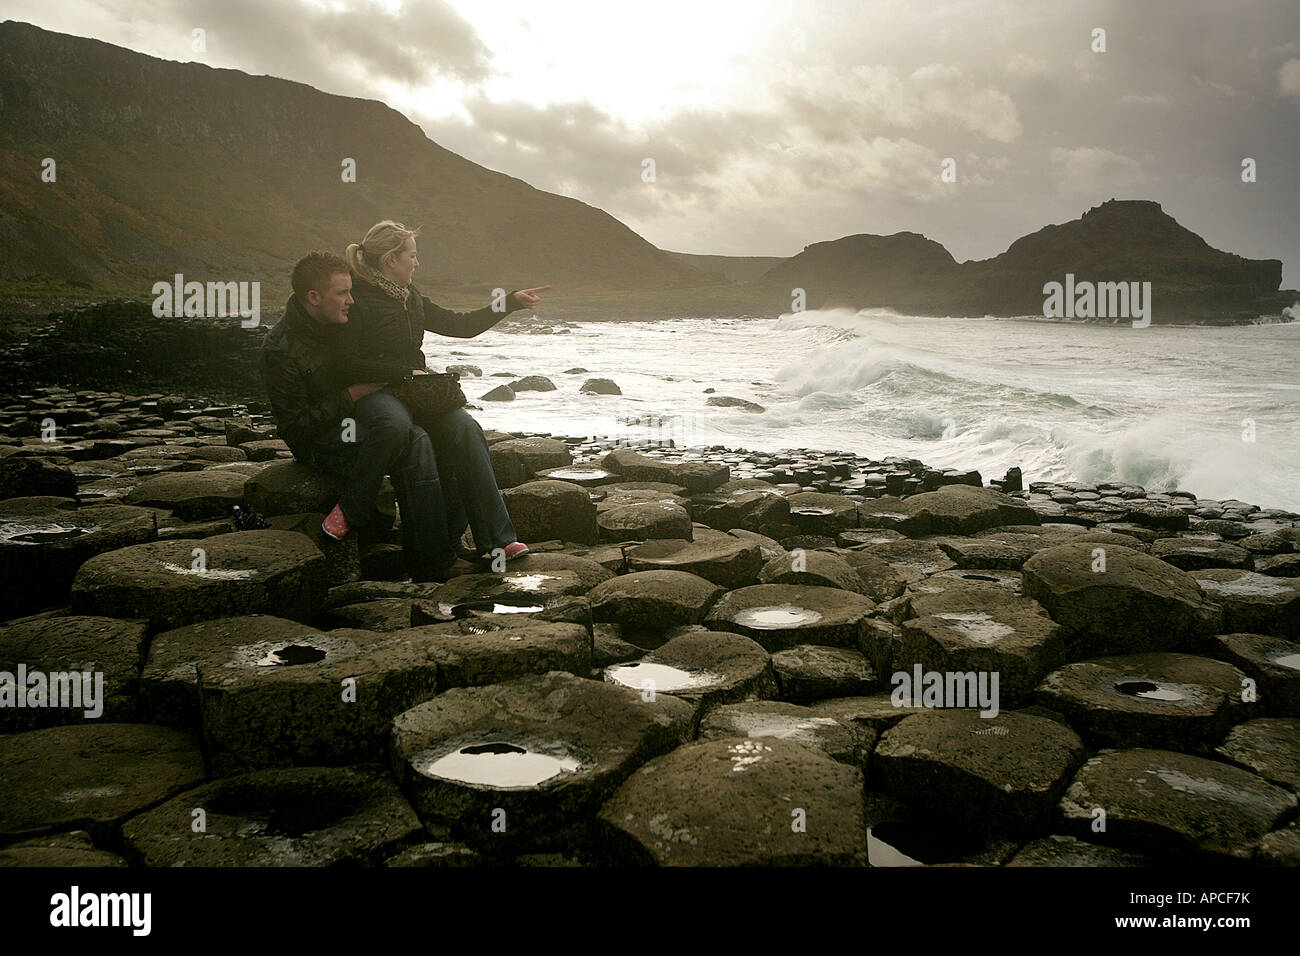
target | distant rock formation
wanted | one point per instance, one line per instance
(1118, 241)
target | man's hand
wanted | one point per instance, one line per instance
(360, 391)
(419, 371)
(529, 297)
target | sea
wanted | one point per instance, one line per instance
(1210, 410)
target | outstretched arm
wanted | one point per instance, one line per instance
(466, 325)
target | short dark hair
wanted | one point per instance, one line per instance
(313, 271)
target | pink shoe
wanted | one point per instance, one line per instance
(335, 524)
(515, 549)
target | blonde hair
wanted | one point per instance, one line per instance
(382, 240)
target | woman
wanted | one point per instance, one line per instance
(380, 346)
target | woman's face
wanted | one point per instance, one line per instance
(401, 265)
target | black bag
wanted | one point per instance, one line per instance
(431, 395)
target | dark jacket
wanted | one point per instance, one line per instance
(381, 341)
(308, 398)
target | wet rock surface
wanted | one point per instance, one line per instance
(308, 816)
(1167, 804)
(733, 802)
(674, 600)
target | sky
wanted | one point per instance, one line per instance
(759, 127)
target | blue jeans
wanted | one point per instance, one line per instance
(444, 481)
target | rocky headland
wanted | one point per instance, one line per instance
(697, 664)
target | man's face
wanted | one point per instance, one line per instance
(331, 306)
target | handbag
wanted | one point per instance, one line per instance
(431, 395)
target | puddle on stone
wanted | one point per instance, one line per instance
(502, 604)
(1288, 660)
(799, 729)
(880, 853)
(49, 534)
(527, 581)
(776, 616)
(43, 532)
(1147, 690)
(578, 473)
(661, 677)
(209, 574)
(308, 649)
(813, 512)
(497, 764)
(977, 626)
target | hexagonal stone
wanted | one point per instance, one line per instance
(878, 579)
(58, 849)
(759, 719)
(721, 558)
(511, 592)
(1279, 848)
(191, 495)
(999, 774)
(704, 668)
(921, 556)
(785, 615)
(814, 512)
(1001, 548)
(1278, 565)
(888, 513)
(384, 615)
(541, 510)
(589, 573)
(43, 541)
(1136, 603)
(545, 751)
(653, 600)
(23, 476)
(733, 802)
(1269, 746)
(643, 521)
(1274, 663)
(1061, 850)
(752, 510)
(288, 488)
(814, 672)
(342, 558)
(818, 568)
(436, 854)
(1196, 554)
(317, 699)
(493, 648)
(220, 453)
(103, 646)
(1256, 603)
(517, 460)
(1170, 805)
(1162, 701)
(169, 693)
(267, 449)
(241, 573)
(984, 630)
(696, 477)
(304, 816)
(91, 776)
(964, 509)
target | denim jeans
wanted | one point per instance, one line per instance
(444, 480)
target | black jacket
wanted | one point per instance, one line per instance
(308, 398)
(381, 341)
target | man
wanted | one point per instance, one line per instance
(316, 415)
